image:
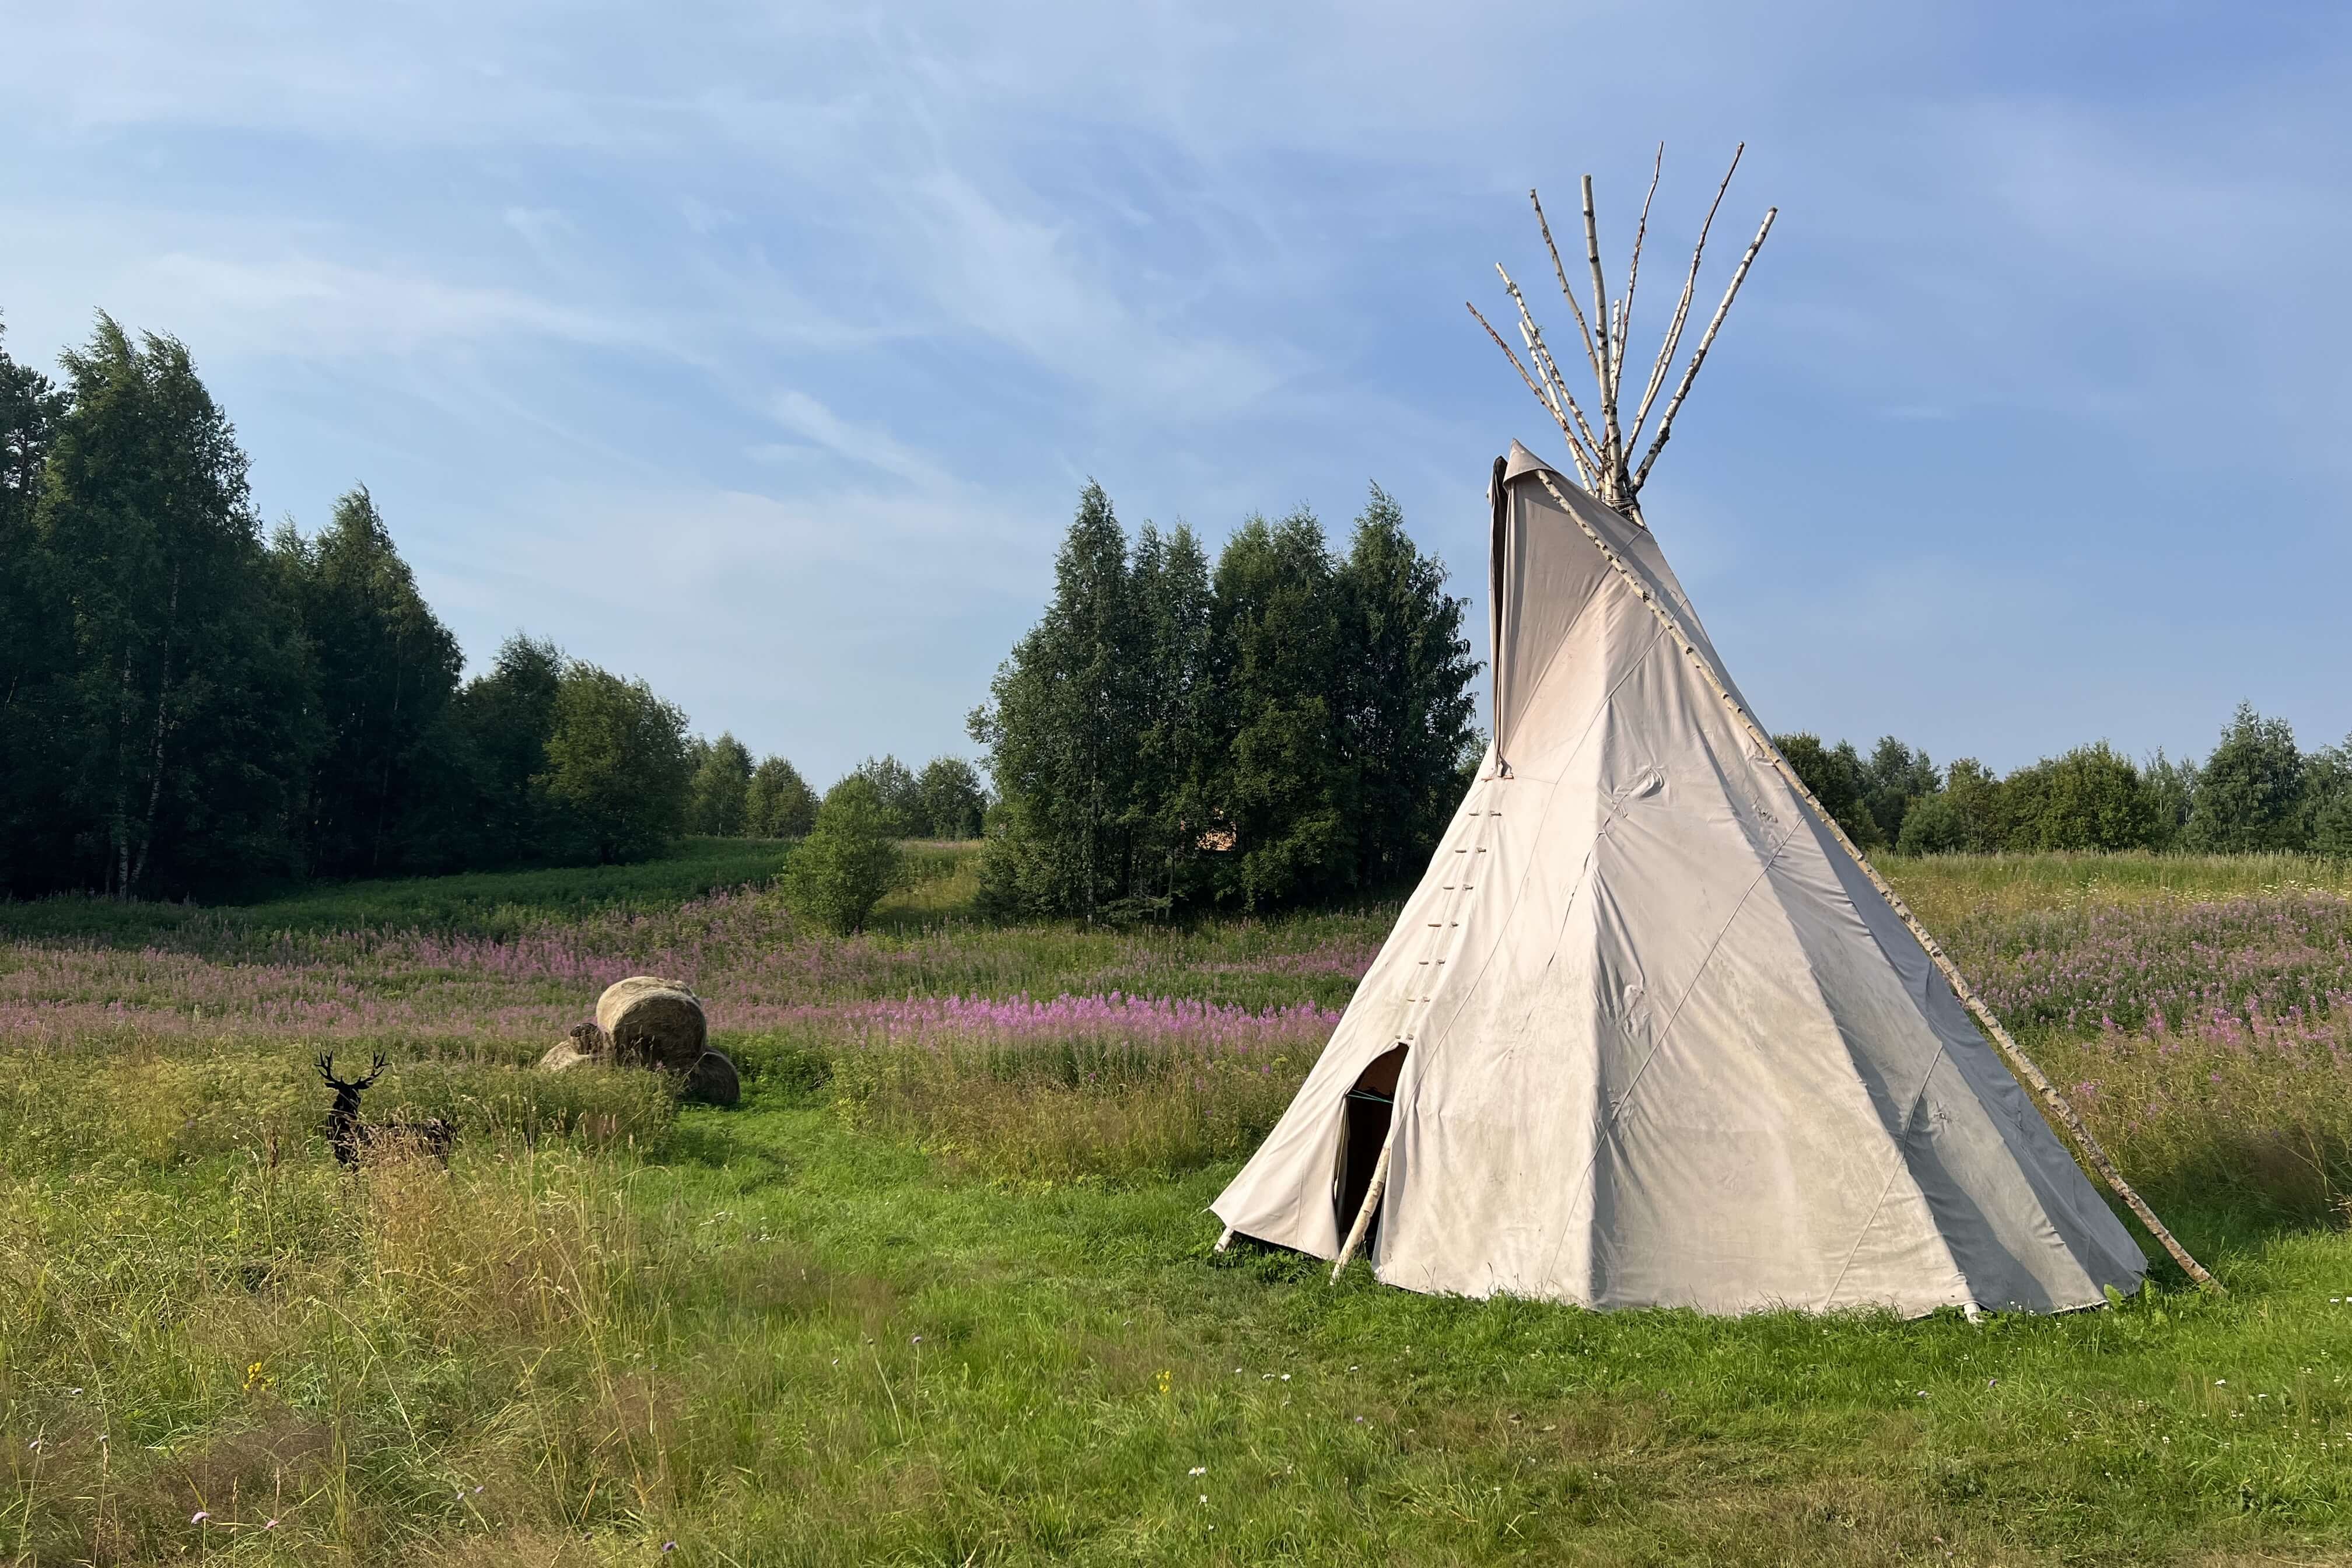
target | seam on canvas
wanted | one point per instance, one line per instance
(1901, 1165)
(2047, 1195)
(1518, 892)
(1625, 1100)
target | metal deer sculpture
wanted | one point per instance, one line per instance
(351, 1138)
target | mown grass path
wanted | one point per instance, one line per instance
(968, 1373)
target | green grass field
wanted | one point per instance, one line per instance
(943, 1290)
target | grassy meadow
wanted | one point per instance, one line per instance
(942, 1289)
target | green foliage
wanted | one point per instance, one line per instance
(2088, 798)
(2328, 792)
(1288, 728)
(1283, 787)
(718, 797)
(383, 670)
(895, 785)
(33, 637)
(176, 686)
(1835, 775)
(1062, 732)
(849, 860)
(952, 802)
(507, 716)
(1936, 824)
(1891, 781)
(1963, 817)
(778, 802)
(1170, 805)
(617, 774)
(2172, 789)
(1410, 721)
(2250, 791)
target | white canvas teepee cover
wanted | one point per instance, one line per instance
(1666, 1043)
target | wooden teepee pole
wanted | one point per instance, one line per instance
(1604, 445)
(1576, 448)
(1370, 1207)
(2019, 1062)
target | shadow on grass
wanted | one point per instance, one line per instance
(2233, 1192)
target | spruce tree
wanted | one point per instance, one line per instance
(382, 671)
(1284, 785)
(35, 854)
(1170, 813)
(1062, 732)
(2250, 791)
(507, 716)
(1411, 708)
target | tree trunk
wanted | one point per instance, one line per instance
(156, 756)
(118, 873)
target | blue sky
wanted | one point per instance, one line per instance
(762, 352)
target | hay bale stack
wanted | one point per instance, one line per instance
(713, 1082)
(584, 1043)
(653, 1023)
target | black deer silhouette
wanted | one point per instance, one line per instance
(351, 1138)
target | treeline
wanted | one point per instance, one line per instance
(732, 797)
(1288, 726)
(2257, 791)
(187, 706)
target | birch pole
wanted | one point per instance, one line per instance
(1698, 357)
(1540, 353)
(1613, 487)
(1370, 1207)
(1673, 342)
(2021, 1064)
(1633, 273)
(1567, 293)
(1575, 447)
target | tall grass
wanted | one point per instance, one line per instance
(495, 904)
(941, 1291)
(1077, 1088)
(1942, 889)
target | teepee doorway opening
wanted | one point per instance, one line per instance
(1371, 1107)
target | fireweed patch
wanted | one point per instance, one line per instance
(609, 1326)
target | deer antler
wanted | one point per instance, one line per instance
(375, 1070)
(327, 1069)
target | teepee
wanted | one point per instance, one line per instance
(1651, 1031)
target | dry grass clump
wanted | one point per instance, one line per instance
(284, 1361)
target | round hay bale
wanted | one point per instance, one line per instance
(653, 1023)
(564, 1055)
(713, 1080)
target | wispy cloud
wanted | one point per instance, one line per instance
(719, 345)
